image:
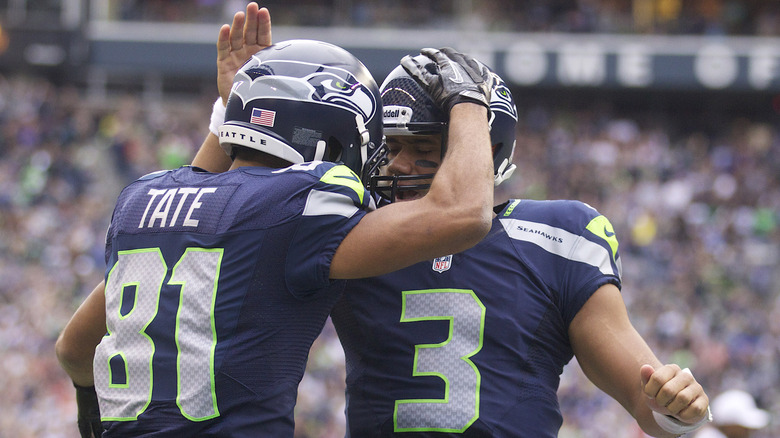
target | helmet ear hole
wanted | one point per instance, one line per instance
(334, 150)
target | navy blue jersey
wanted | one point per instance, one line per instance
(216, 287)
(473, 344)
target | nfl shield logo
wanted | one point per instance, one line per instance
(442, 264)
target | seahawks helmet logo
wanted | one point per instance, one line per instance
(326, 85)
(501, 98)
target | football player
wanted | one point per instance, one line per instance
(217, 284)
(473, 344)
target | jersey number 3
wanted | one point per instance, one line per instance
(123, 359)
(449, 360)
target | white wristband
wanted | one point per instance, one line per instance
(217, 116)
(677, 427)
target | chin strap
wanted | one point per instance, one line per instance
(505, 170)
(319, 151)
(365, 136)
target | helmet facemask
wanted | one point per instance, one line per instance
(394, 186)
(407, 111)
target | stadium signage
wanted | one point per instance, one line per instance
(552, 60)
(590, 64)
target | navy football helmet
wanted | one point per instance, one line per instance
(409, 110)
(305, 100)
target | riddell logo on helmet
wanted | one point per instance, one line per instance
(400, 113)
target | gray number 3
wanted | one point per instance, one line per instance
(448, 360)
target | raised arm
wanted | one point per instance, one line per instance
(75, 350)
(456, 212)
(616, 359)
(236, 43)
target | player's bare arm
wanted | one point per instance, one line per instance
(617, 360)
(236, 43)
(456, 213)
(249, 33)
(433, 225)
(75, 350)
(75, 346)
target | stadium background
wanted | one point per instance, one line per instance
(663, 114)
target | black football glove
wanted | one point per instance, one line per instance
(451, 77)
(88, 412)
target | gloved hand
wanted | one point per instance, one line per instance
(88, 412)
(450, 77)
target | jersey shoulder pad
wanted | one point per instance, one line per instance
(565, 227)
(574, 217)
(567, 214)
(314, 168)
(334, 178)
(154, 175)
(337, 178)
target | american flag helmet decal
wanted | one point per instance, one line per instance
(263, 117)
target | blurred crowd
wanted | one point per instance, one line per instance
(697, 213)
(696, 209)
(62, 164)
(696, 17)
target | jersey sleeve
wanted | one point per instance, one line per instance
(334, 205)
(594, 262)
(577, 249)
